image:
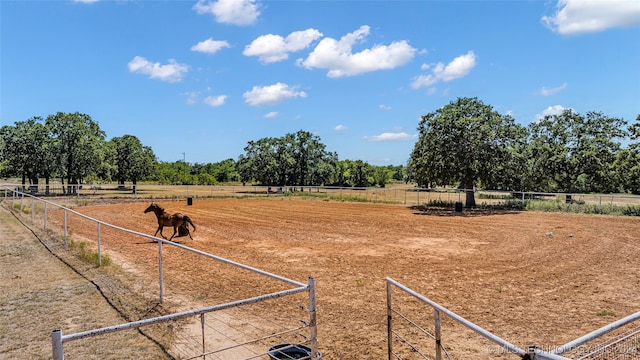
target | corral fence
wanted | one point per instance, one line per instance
(414, 333)
(261, 315)
(392, 194)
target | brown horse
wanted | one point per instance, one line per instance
(177, 220)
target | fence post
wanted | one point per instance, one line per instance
(204, 350)
(99, 255)
(65, 226)
(160, 267)
(56, 342)
(436, 320)
(313, 330)
(389, 323)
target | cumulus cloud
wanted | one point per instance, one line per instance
(210, 46)
(340, 128)
(215, 101)
(171, 72)
(272, 115)
(583, 16)
(272, 48)
(546, 92)
(400, 136)
(459, 67)
(272, 94)
(384, 107)
(86, 1)
(338, 58)
(550, 111)
(236, 12)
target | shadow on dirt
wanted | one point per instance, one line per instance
(439, 211)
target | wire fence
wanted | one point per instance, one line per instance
(241, 312)
(411, 196)
(414, 333)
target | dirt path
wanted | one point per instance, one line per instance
(40, 293)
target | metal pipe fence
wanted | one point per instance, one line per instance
(271, 308)
(409, 336)
(390, 195)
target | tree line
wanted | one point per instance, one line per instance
(468, 144)
(465, 144)
(71, 148)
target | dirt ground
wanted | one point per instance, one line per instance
(529, 277)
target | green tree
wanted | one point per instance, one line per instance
(574, 153)
(356, 173)
(27, 149)
(78, 142)
(465, 142)
(133, 161)
(292, 160)
(382, 175)
(627, 163)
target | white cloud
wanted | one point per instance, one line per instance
(272, 115)
(340, 128)
(215, 101)
(338, 58)
(546, 92)
(272, 94)
(171, 72)
(583, 16)
(457, 68)
(401, 136)
(192, 97)
(236, 12)
(550, 111)
(273, 48)
(210, 46)
(86, 1)
(384, 107)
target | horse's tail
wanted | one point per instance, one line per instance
(188, 219)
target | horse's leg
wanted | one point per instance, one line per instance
(160, 229)
(174, 232)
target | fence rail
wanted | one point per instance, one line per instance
(391, 195)
(412, 339)
(255, 304)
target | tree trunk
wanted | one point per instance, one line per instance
(470, 194)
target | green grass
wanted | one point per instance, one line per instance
(82, 248)
(605, 313)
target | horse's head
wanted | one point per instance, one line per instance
(153, 207)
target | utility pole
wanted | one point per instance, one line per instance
(184, 162)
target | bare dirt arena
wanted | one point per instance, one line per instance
(528, 277)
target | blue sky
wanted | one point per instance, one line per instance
(199, 79)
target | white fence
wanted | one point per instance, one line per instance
(414, 334)
(391, 195)
(272, 309)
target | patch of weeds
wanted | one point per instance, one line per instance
(89, 255)
(605, 313)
